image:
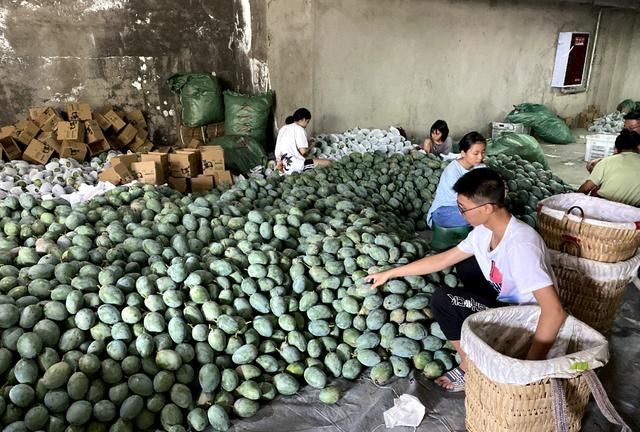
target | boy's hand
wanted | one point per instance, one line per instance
(378, 279)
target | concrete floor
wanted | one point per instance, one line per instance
(567, 161)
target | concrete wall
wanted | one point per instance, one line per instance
(377, 63)
(122, 52)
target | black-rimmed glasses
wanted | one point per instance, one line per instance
(463, 210)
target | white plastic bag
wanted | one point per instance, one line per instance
(406, 411)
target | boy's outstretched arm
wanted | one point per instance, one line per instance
(422, 266)
(552, 316)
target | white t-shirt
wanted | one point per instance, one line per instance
(291, 137)
(516, 268)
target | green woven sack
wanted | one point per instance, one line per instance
(201, 98)
(523, 145)
(543, 122)
(247, 115)
(241, 153)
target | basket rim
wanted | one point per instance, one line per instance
(556, 206)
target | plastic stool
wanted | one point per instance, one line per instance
(446, 238)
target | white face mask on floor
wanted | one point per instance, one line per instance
(406, 411)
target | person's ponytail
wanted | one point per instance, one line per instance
(289, 120)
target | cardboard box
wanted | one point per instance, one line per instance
(51, 142)
(136, 145)
(180, 184)
(198, 156)
(116, 175)
(36, 112)
(147, 147)
(46, 134)
(71, 131)
(50, 123)
(194, 144)
(127, 135)
(126, 160)
(136, 118)
(222, 177)
(215, 130)
(114, 120)
(162, 163)
(202, 183)
(165, 149)
(38, 152)
(48, 119)
(183, 164)
(78, 111)
(94, 132)
(97, 147)
(73, 149)
(212, 159)
(102, 121)
(146, 172)
(187, 134)
(106, 108)
(27, 131)
(10, 148)
(143, 133)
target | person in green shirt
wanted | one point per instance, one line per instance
(616, 177)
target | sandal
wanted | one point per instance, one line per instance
(456, 378)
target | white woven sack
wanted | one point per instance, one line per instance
(596, 270)
(597, 211)
(488, 335)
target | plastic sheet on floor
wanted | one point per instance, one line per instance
(362, 404)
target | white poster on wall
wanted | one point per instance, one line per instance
(571, 56)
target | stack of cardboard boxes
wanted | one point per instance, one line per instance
(189, 136)
(186, 170)
(80, 134)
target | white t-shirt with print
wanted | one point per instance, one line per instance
(517, 267)
(291, 137)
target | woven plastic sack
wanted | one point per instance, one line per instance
(627, 106)
(497, 340)
(201, 98)
(247, 115)
(543, 122)
(241, 153)
(523, 145)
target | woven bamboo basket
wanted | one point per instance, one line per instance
(588, 227)
(495, 407)
(592, 291)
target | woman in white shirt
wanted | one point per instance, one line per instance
(292, 145)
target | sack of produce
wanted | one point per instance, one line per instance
(523, 145)
(201, 98)
(506, 392)
(543, 122)
(247, 114)
(627, 106)
(241, 153)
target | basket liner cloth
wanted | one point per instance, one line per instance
(597, 211)
(493, 339)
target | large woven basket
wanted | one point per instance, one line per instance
(495, 407)
(592, 291)
(589, 227)
(505, 393)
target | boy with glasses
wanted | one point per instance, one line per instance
(503, 261)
